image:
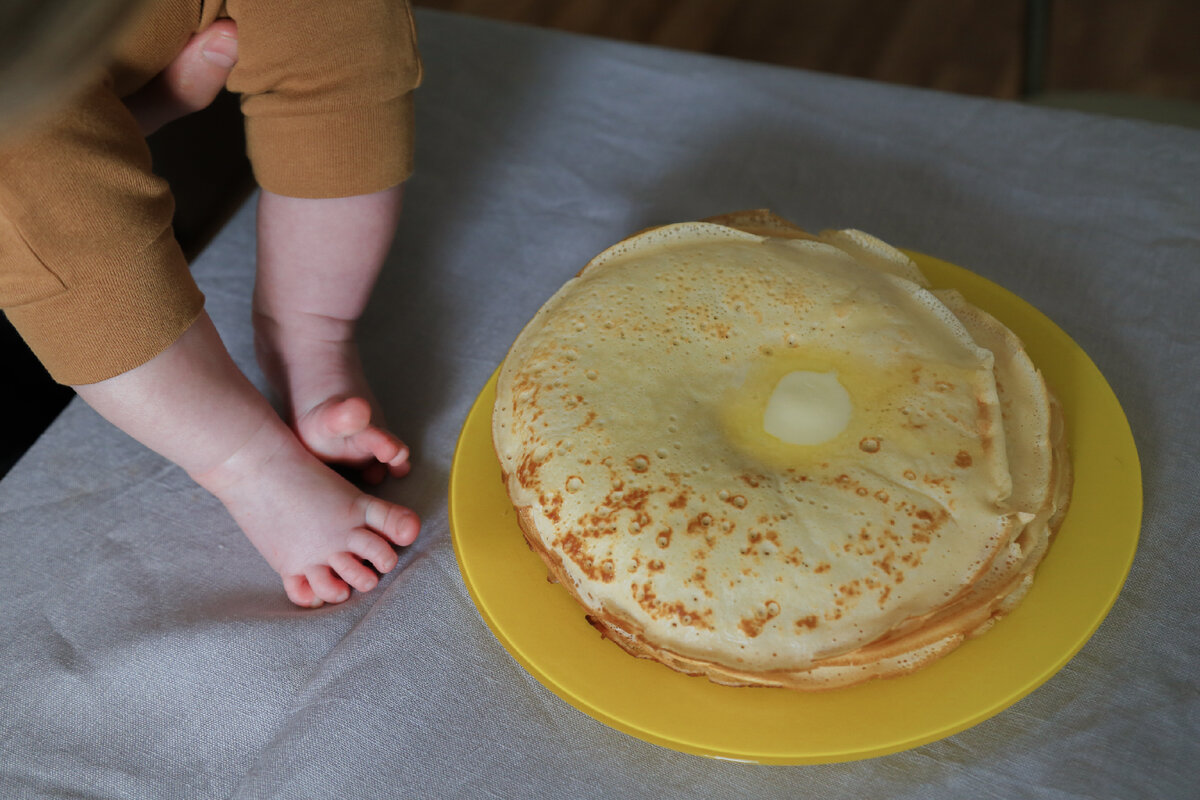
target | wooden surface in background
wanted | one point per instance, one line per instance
(973, 47)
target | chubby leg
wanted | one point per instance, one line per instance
(192, 405)
(317, 263)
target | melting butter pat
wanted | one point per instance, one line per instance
(807, 408)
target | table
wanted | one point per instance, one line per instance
(148, 651)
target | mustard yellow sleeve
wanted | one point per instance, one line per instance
(327, 93)
(90, 272)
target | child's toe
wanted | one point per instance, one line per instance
(385, 447)
(373, 548)
(353, 571)
(396, 523)
(326, 585)
(347, 417)
(300, 593)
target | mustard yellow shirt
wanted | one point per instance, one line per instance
(90, 272)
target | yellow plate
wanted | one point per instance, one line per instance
(1077, 583)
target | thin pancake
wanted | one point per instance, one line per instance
(630, 427)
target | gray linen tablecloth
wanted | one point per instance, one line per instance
(148, 652)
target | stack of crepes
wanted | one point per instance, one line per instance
(778, 459)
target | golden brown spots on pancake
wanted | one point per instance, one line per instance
(848, 594)
(938, 482)
(806, 623)
(573, 548)
(676, 612)
(984, 425)
(869, 444)
(574, 484)
(737, 501)
(795, 557)
(927, 524)
(910, 475)
(753, 539)
(680, 501)
(963, 459)
(527, 471)
(639, 463)
(863, 545)
(699, 579)
(752, 626)
(824, 566)
(700, 523)
(663, 539)
(882, 496)
(551, 506)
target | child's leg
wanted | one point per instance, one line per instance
(192, 405)
(317, 264)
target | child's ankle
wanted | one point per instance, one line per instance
(291, 327)
(247, 459)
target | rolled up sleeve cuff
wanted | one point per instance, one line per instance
(114, 319)
(338, 153)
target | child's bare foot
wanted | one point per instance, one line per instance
(340, 431)
(191, 404)
(313, 527)
(314, 365)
